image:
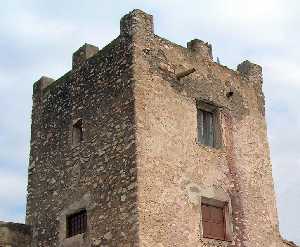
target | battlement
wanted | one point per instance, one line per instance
(251, 70)
(138, 25)
(136, 22)
(82, 54)
(200, 48)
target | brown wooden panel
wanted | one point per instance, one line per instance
(217, 215)
(206, 229)
(205, 212)
(213, 222)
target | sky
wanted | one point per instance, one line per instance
(39, 37)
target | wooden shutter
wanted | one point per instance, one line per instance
(200, 126)
(213, 222)
(208, 123)
(205, 126)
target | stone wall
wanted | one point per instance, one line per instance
(139, 171)
(174, 171)
(14, 235)
(99, 173)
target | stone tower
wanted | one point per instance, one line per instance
(148, 143)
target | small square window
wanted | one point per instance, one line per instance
(77, 132)
(213, 222)
(76, 223)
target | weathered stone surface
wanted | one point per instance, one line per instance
(97, 173)
(139, 171)
(170, 160)
(14, 235)
(82, 54)
(200, 48)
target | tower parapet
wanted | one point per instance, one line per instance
(43, 83)
(251, 70)
(136, 22)
(200, 48)
(39, 86)
(82, 54)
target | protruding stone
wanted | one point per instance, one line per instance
(200, 48)
(82, 54)
(251, 70)
(136, 22)
(108, 235)
(185, 73)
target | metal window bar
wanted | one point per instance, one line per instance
(76, 223)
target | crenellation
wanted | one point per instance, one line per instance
(136, 22)
(200, 48)
(39, 86)
(44, 82)
(251, 70)
(82, 54)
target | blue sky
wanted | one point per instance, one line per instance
(38, 38)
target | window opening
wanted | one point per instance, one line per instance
(77, 134)
(76, 223)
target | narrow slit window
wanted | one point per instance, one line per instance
(77, 133)
(76, 223)
(206, 128)
(213, 222)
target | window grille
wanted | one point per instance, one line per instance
(76, 223)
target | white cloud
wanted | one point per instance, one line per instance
(13, 192)
(31, 28)
(12, 196)
(284, 72)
